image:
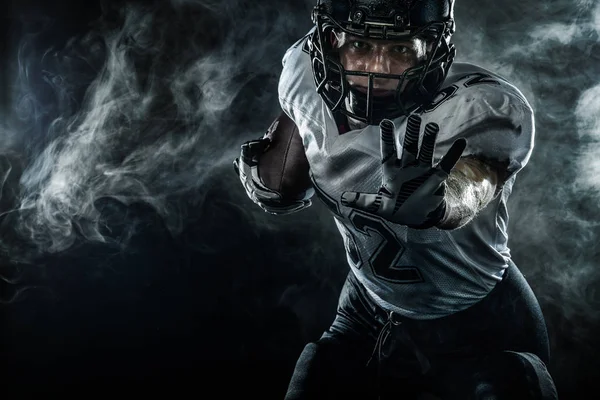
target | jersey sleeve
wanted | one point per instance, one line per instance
(496, 120)
(297, 92)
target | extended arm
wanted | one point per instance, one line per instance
(420, 195)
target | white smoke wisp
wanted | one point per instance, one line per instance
(587, 113)
(550, 52)
(159, 119)
(75, 168)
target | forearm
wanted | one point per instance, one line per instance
(469, 188)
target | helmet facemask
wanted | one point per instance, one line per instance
(416, 85)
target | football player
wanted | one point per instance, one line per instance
(416, 156)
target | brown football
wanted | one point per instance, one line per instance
(284, 167)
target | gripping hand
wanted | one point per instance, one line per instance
(412, 188)
(246, 166)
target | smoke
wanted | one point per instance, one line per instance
(550, 52)
(160, 113)
(142, 113)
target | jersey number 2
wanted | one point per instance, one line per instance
(387, 253)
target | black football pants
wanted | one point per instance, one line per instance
(496, 349)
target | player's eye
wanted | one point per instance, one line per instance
(359, 45)
(402, 50)
(404, 54)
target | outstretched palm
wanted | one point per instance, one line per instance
(412, 188)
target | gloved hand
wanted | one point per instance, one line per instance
(246, 166)
(412, 188)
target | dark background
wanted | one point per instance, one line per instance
(131, 259)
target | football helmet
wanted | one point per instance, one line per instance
(402, 20)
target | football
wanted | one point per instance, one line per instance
(284, 166)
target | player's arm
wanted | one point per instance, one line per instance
(470, 186)
(274, 170)
(415, 192)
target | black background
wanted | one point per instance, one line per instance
(200, 290)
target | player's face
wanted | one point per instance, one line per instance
(378, 56)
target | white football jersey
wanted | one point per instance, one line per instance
(428, 273)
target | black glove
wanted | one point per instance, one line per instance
(246, 166)
(412, 189)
